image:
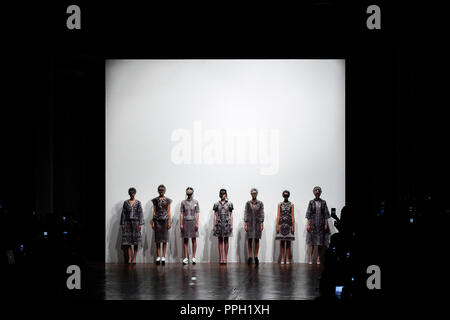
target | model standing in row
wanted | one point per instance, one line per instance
(131, 220)
(189, 214)
(161, 223)
(285, 227)
(223, 223)
(318, 231)
(253, 224)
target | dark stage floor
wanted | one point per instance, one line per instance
(208, 281)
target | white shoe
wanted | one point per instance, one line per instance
(163, 261)
(158, 260)
(282, 262)
(185, 261)
(318, 262)
(310, 262)
(288, 262)
(194, 261)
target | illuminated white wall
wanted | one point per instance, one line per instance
(234, 124)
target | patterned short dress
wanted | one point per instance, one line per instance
(285, 222)
(254, 216)
(190, 208)
(161, 219)
(223, 221)
(318, 212)
(131, 218)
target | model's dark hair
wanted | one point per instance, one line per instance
(161, 186)
(286, 191)
(223, 191)
(190, 188)
(132, 189)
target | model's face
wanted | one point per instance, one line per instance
(317, 193)
(286, 196)
(132, 194)
(254, 195)
(161, 191)
(189, 192)
(223, 195)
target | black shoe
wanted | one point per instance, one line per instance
(250, 260)
(256, 260)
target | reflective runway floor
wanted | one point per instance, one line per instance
(207, 281)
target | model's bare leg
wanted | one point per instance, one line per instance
(311, 249)
(164, 248)
(194, 246)
(129, 254)
(220, 249)
(158, 249)
(288, 251)
(186, 244)
(256, 247)
(250, 250)
(319, 253)
(225, 239)
(135, 253)
(282, 250)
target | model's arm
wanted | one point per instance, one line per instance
(308, 216)
(197, 216)
(215, 214)
(168, 213)
(261, 216)
(154, 213)
(122, 217)
(246, 216)
(327, 216)
(141, 216)
(231, 216)
(293, 219)
(231, 220)
(181, 218)
(278, 219)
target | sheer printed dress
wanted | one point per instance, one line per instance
(318, 212)
(223, 220)
(285, 222)
(131, 218)
(254, 216)
(190, 208)
(161, 219)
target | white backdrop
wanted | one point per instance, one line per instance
(234, 124)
